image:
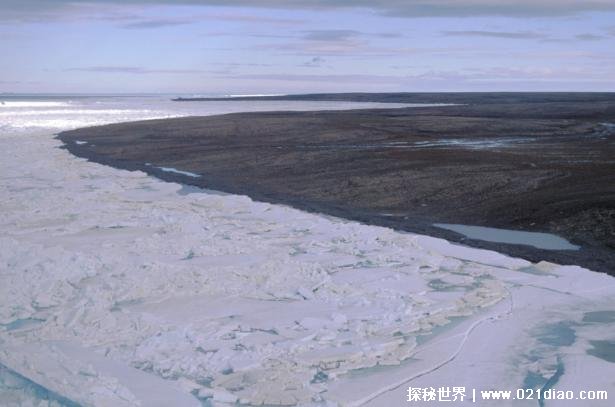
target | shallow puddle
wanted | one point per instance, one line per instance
(599, 316)
(23, 323)
(544, 241)
(558, 334)
(604, 350)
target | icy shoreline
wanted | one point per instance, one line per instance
(119, 290)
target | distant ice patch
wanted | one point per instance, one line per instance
(255, 95)
(475, 144)
(175, 171)
(31, 103)
(544, 241)
(469, 144)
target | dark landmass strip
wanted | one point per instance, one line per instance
(443, 97)
(536, 165)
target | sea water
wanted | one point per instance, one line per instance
(25, 113)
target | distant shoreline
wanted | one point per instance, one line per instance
(422, 97)
(532, 165)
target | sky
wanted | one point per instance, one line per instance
(298, 46)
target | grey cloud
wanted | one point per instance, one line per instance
(322, 78)
(28, 9)
(588, 37)
(314, 62)
(229, 68)
(578, 37)
(109, 69)
(247, 18)
(148, 24)
(115, 16)
(342, 35)
(239, 64)
(160, 23)
(334, 48)
(330, 35)
(133, 70)
(359, 49)
(331, 42)
(18, 83)
(429, 81)
(505, 74)
(322, 42)
(248, 34)
(522, 35)
(308, 35)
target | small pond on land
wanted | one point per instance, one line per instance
(544, 241)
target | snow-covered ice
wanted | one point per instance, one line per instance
(176, 171)
(119, 290)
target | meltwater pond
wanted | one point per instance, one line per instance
(544, 241)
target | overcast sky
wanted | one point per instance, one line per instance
(293, 46)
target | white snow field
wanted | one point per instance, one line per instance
(118, 289)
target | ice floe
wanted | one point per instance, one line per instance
(176, 171)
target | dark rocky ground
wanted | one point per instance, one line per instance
(441, 97)
(536, 162)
